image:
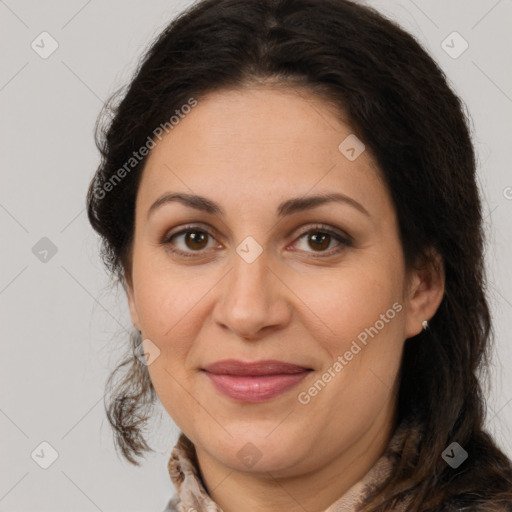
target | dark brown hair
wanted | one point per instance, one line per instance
(399, 104)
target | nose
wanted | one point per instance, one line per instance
(253, 299)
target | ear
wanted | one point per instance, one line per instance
(128, 288)
(424, 292)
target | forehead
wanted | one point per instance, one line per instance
(258, 143)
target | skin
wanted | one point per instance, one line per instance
(248, 150)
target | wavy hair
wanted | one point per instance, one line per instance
(400, 105)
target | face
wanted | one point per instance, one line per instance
(253, 272)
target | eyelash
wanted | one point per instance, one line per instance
(344, 240)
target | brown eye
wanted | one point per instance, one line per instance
(195, 239)
(188, 241)
(319, 240)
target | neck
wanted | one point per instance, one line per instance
(314, 490)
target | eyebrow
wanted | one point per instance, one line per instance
(288, 207)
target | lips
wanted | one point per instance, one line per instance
(254, 382)
(239, 368)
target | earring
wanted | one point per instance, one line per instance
(425, 324)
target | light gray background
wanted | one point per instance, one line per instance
(63, 327)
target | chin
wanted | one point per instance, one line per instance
(259, 453)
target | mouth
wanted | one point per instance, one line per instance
(256, 381)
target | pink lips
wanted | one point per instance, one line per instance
(254, 382)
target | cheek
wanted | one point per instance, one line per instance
(163, 294)
(363, 317)
(168, 309)
(353, 300)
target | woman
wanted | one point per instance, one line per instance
(287, 194)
